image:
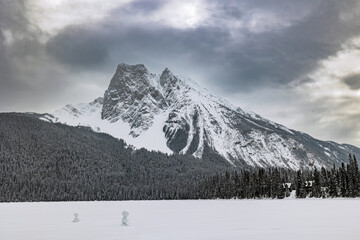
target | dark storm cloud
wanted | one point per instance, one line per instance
(86, 47)
(27, 75)
(266, 58)
(78, 46)
(143, 6)
(353, 81)
(11, 17)
(279, 57)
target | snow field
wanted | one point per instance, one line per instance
(179, 220)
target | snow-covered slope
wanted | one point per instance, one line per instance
(170, 113)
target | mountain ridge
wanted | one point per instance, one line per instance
(173, 114)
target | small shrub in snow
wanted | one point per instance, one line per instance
(125, 215)
(76, 219)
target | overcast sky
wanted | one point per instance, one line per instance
(294, 62)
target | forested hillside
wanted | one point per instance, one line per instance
(41, 161)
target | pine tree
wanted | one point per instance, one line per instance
(356, 177)
(333, 185)
(299, 185)
(324, 182)
(316, 189)
(343, 180)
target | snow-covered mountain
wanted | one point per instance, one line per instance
(173, 114)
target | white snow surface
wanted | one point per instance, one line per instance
(320, 219)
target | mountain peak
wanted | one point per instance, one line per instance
(133, 97)
(123, 67)
(127, 77)
(166, 74)
(168, 79)
(166, 71)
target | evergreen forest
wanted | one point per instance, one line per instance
(43, 161)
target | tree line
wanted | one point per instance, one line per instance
(343, 181)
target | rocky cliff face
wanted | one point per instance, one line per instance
(133, 97)
(170, 113)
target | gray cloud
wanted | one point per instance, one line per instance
(79, 46)
(107, 45)
(333, 123)
(353, 81)
(11, 18)
(280, 57)
(12, 15)
(142, 6)
(29, 79)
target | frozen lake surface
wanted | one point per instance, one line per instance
(184, 220)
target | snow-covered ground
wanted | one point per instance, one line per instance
(190, 219)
